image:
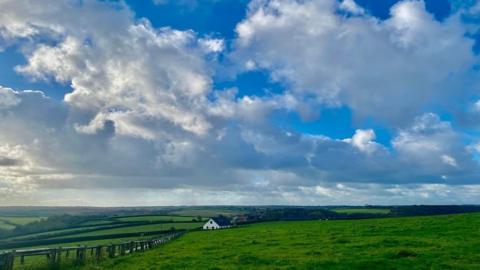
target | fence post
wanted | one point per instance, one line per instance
(10, 260)
(53, 257)
(79, 258)
(84, 254)
(131, 247)
(59, 256)
(98, 252)
(122, 249)
(111, 251)
(3, 261)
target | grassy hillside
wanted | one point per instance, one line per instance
(441, 242)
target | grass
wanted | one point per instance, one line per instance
(6, 226)
(20, 220)
(140, 228)
(362, 210)
(441, 242)
(155, 218)
(49, 234)
(9, 223)
(97, 222)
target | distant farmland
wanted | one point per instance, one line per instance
(437, 242)
(102, 230)
(362, 210)
(336, 237)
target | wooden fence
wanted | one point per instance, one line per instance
(79, 254)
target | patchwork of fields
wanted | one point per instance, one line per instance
(437, 242)
(428, 242)
(102, 231)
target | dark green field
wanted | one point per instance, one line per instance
(439, 242)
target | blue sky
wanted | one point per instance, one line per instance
(236, 101)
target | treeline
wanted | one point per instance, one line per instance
(426, 210)
(321, 213)
(297, 213)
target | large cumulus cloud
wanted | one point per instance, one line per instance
(387, 69)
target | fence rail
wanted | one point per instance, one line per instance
(54, 255)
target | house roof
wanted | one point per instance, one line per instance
(221, 221)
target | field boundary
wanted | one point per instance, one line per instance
(54, 255)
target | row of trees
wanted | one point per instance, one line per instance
(317, 213)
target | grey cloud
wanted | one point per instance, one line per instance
(4, 161)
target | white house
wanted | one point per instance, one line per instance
(216, 223)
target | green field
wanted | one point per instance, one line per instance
(141, 228)
(55, 232)
(6, 226)
(155, 218)
(10, 222)
(362, 210)
(439, 242)
(20, 220)
(106, 229)
(97, 222)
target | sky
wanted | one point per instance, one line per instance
(238, 102)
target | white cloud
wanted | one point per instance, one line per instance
(352, 7)
(430, 146)
(212, 45)
(119, 69)
(364, 140)
(388, 70)
(449, 160)
(8, 98)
